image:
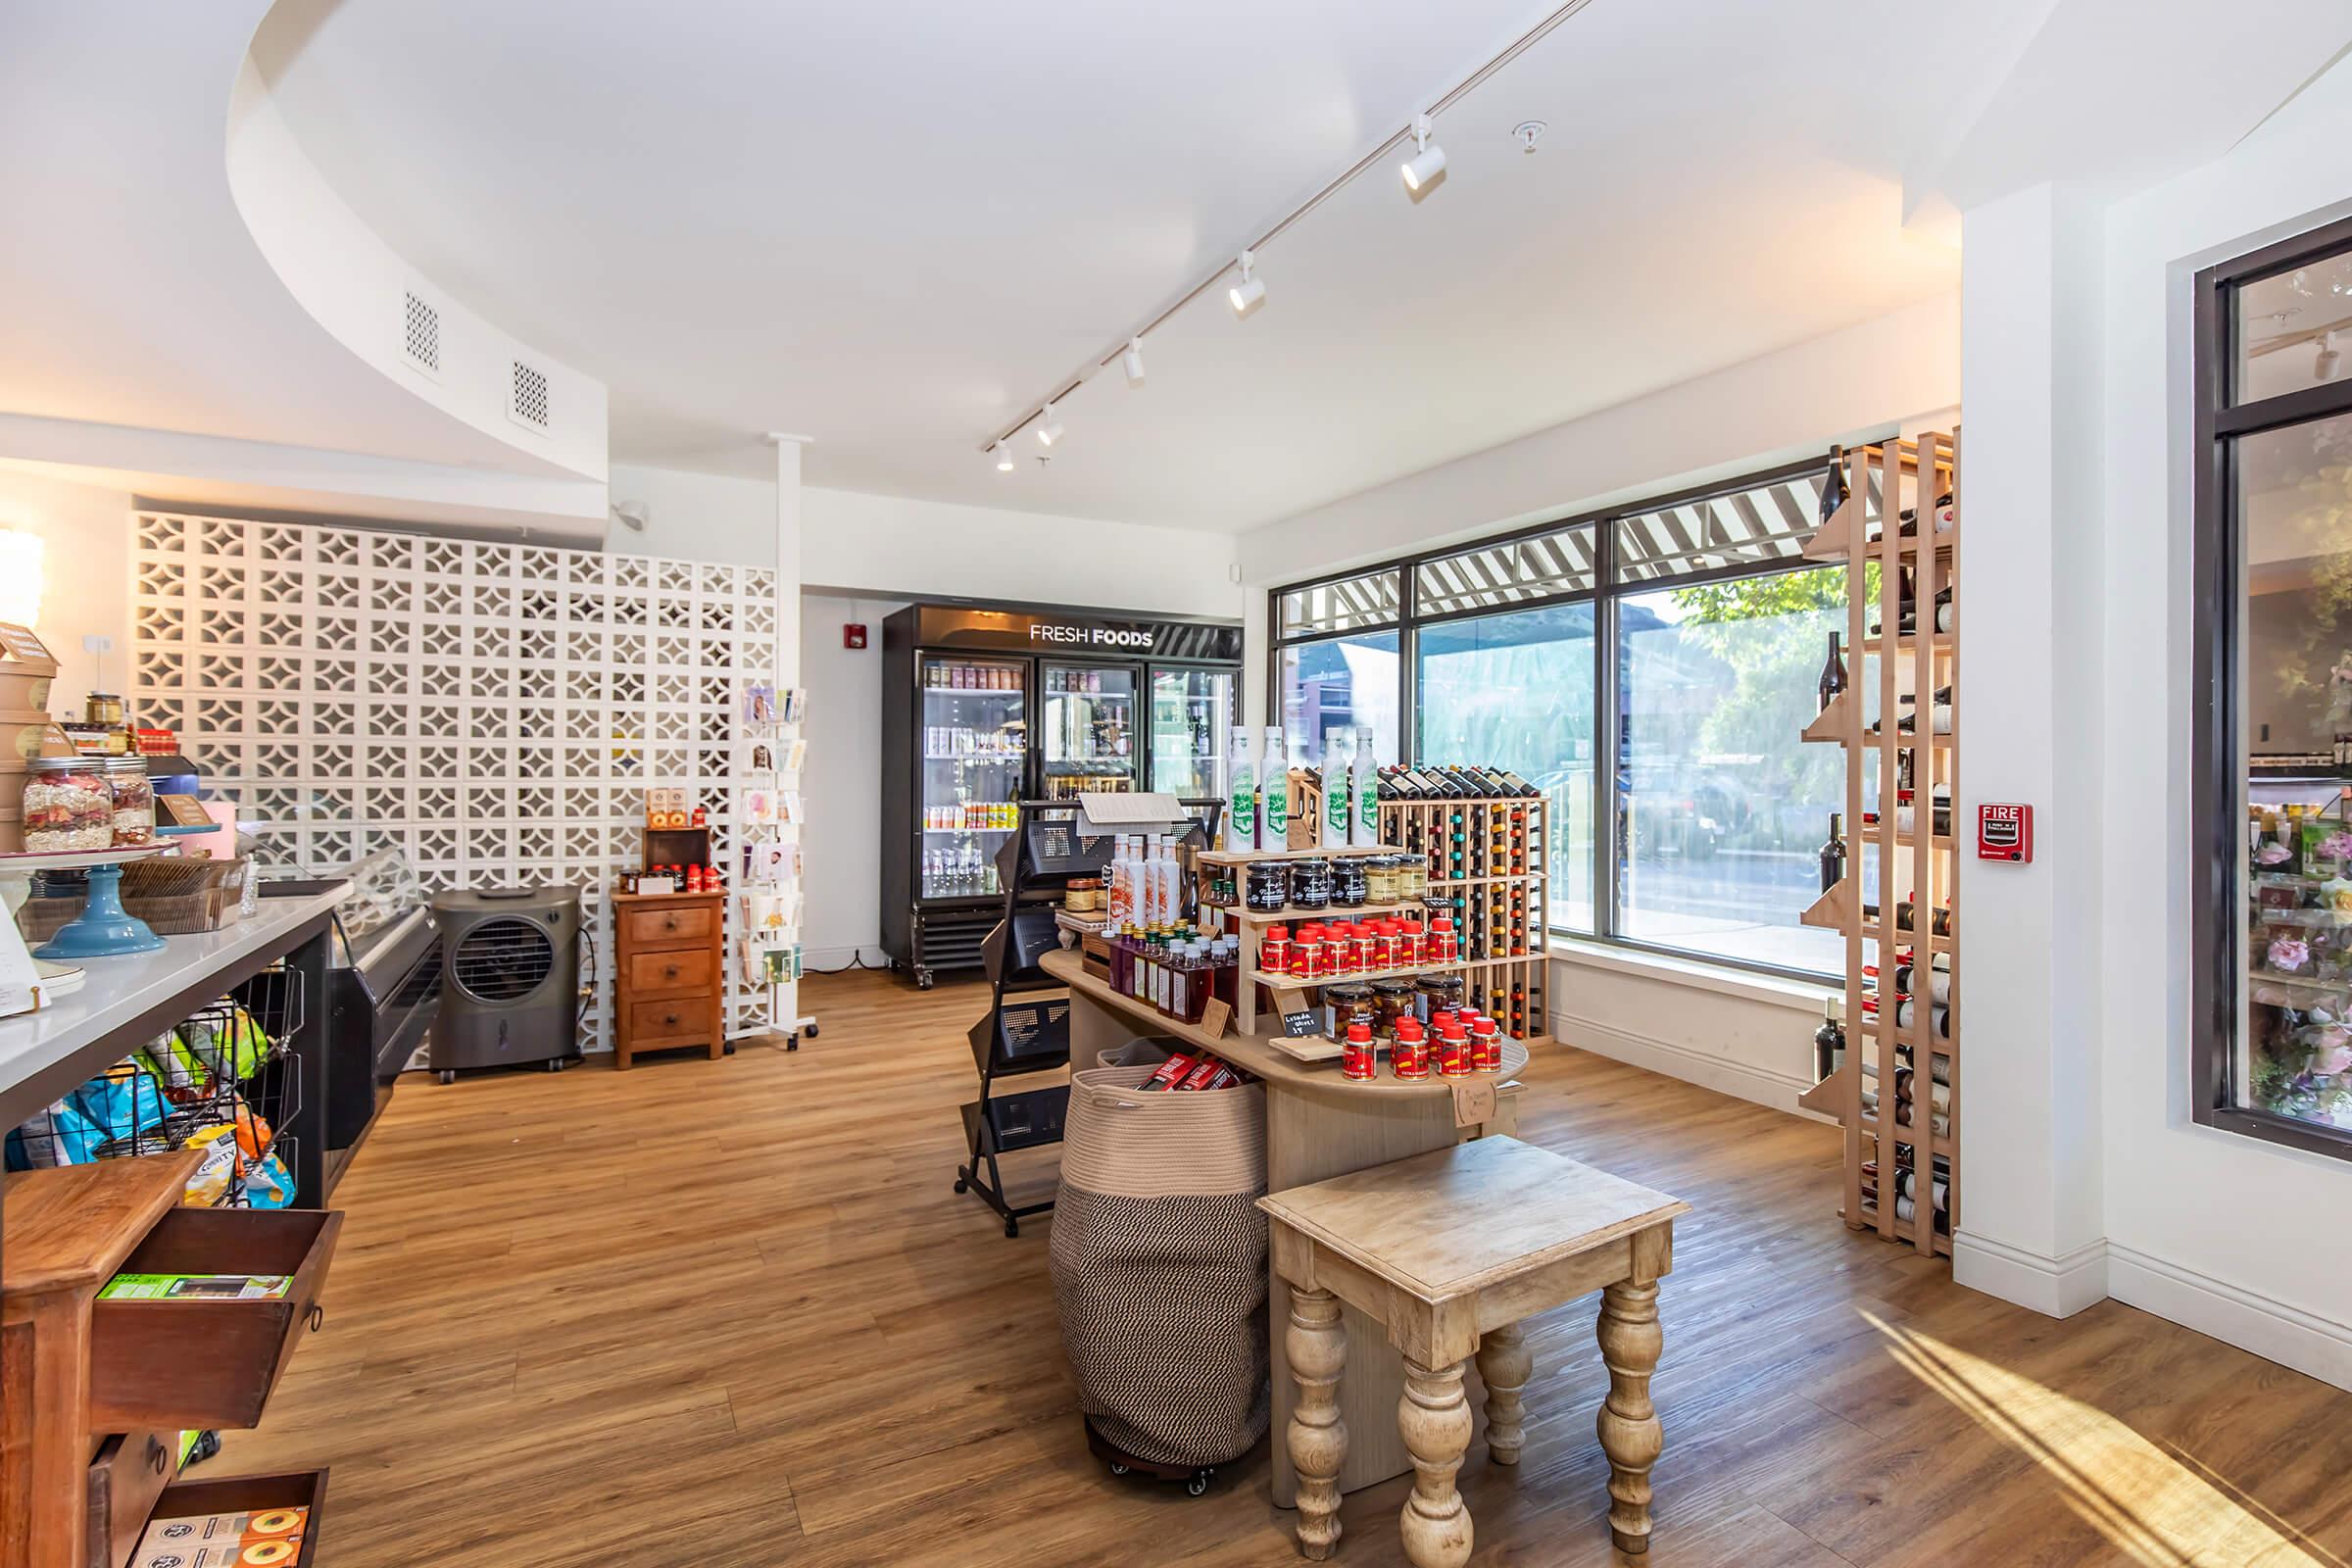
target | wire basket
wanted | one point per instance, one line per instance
(223, 1081)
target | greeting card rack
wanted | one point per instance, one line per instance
(770, 751)
(1896, 529)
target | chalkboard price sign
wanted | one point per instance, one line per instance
(1303, 1025)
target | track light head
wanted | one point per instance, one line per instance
(1048, 428)
(1132, 362)
(1427, 167)
(1250, 292)
(2324, 368)
(1004, 458)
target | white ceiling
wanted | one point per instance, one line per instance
(893, 225)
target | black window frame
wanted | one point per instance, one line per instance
(2217, 915)
(1603, 596)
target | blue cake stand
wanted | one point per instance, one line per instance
(104, 928)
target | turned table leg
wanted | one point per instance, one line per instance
(1434, 1418)
(1505, 1365)
(1630, 1434)
(1318, 1438)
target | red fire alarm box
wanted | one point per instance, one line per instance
(2004, 832)
(852, 635)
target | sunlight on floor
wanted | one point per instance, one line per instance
(2153, 1507)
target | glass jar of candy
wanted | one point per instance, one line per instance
(69, 805)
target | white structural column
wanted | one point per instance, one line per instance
(2033, 570)
(788, 1015)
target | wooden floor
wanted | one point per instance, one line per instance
(729, 1313)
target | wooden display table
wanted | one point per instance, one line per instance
(1318, 1124)
(1449, 1251)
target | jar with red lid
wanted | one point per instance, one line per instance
(1274, 950)
(1380, 952)
(1347, 957)
(1360, 1058)
(1439, 1020)
(1327, 954)
(1453, 1049)
(1485, 1046)
(1306, 950)
(1441, 940)
(1408, 1053)
(1410, 950)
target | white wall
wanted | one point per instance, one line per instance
(86, 536)
(2243, 1240)
(888, 546)
(842, 869)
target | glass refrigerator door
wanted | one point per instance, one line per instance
(1192, 716)
(975, 751)
(1090, 729)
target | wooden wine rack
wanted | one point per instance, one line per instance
(1507, 910)
(1919, 862)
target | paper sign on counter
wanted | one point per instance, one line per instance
(1472, 1101)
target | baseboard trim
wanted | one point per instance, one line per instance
(2055, 1287)
(1725, 1075)
(841, 957)
(2318, 1346)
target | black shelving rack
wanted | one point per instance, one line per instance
(1027, 1026)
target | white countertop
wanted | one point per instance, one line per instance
(117, 990)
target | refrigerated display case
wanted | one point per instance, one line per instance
(1193, 714)
(983, 708)
(1089, 731)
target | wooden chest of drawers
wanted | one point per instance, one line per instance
(669, 973)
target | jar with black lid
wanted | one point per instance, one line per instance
(1269, 887)
(1437, 993)
(1350, 886)
(1392, 1000)
(1311, 884)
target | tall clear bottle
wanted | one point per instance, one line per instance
(1274, 810)
(1241, 823)
(1339, 790)
(1365, 828)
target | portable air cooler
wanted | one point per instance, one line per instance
(511, 979)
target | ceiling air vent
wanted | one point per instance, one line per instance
(526, 396)
(421, 333)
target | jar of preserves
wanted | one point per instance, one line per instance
(1441, 947)
(1349, 887)
(1311, 884)
(1348, 955)
(1346, 1005)
(1412, 879)
(1437, 993)
(1485, 1046)
(1381, 877)
(1360, 1058)
(67, 805)
(133, 809)
(1453, 1050)
(1305, 948)
(1268, 887)
(1391, 1003)
(1408, 1052)
(102, 708)
(1274, 950)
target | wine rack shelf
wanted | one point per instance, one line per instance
(1501, 891)
(1901, 1127)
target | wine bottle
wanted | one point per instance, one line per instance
(1829, 1043)
(1832, 854)
(1832, 672)
(1519, 786)
(1833, 484)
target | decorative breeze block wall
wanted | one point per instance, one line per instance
(493, 711)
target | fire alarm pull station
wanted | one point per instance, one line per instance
(2004, 832)
(852, 635)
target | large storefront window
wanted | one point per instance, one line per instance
(1722, 809)
(1515, 691)
(1649, 669)
(2274, 568)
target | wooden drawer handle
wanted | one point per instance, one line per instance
(670, 971)
(157, 1460)
(318, 1316)
(670, 922)
(669, 1019)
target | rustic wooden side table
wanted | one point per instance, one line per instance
(1449, 1250)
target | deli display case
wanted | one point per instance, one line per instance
(983, 707)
